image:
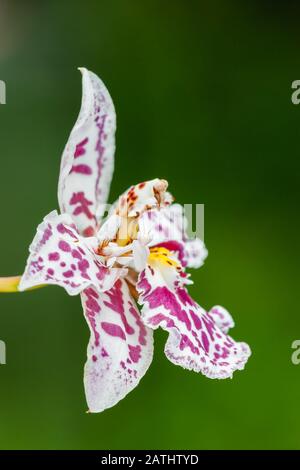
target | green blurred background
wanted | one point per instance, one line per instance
(203, 99)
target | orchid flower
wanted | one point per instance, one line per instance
(136, 255)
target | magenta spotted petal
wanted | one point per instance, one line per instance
(222, 318)
(88, 159)
(167, 228)
(120, 348)
(195, 341)
(59, 255)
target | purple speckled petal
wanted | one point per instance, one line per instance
(59, 255)
(222, 318)
(167, 228)
(120, 348)
(88, 159)
(195, 340)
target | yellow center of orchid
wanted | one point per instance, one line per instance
(163, 256)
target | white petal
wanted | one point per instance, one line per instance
(140, 255)
(196, 340)
(222, 318)
(167, 228)
(120, 348)
(88, 158)
(109, 228)
(141, 197)
(59, 255)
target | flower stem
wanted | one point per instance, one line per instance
(11, 284)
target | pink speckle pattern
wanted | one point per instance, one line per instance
(197, 339)
(81, 205)
(120, 348)
(167, 228)
(222, 318)
(80, 148)
(88, 159)
(59, 255)
(82, 169)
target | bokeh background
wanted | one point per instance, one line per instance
(203, 98)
